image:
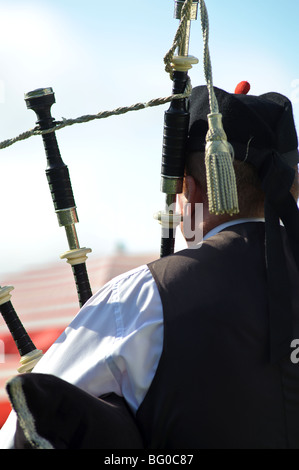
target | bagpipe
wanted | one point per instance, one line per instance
(176, 122)
(112, 410)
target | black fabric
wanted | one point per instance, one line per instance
(215, 387)
(262, 132)
(70, 418)
(253, 124)
(277, 179)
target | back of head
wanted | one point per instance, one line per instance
(262, 133)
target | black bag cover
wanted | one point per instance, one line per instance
(53, 414)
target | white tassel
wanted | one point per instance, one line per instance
(221, 180)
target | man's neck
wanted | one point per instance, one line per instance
(230, 223)
(211, 221)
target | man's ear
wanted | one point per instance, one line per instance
(191, 194)
(190, 189)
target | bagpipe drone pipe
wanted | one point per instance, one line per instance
(176, 124)
(40, 101)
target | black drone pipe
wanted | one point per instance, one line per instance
(176, 124)
(30, 355)
(172, 171)
(40, 101)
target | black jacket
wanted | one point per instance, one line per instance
(215, 387)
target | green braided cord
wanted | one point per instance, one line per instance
(221, 181)
(206, 56)
(185, 14)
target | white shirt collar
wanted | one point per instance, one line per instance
(230, 223)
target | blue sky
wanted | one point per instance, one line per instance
(99, 55)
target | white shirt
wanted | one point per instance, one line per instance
(115, 342)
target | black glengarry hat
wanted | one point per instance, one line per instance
(254, 125)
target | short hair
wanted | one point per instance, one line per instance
(250, 194)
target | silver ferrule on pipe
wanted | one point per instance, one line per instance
(72, 237)
(183, 49)
(178, 9)
(171, 184)
(67, 218)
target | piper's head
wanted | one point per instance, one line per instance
(262, 133)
